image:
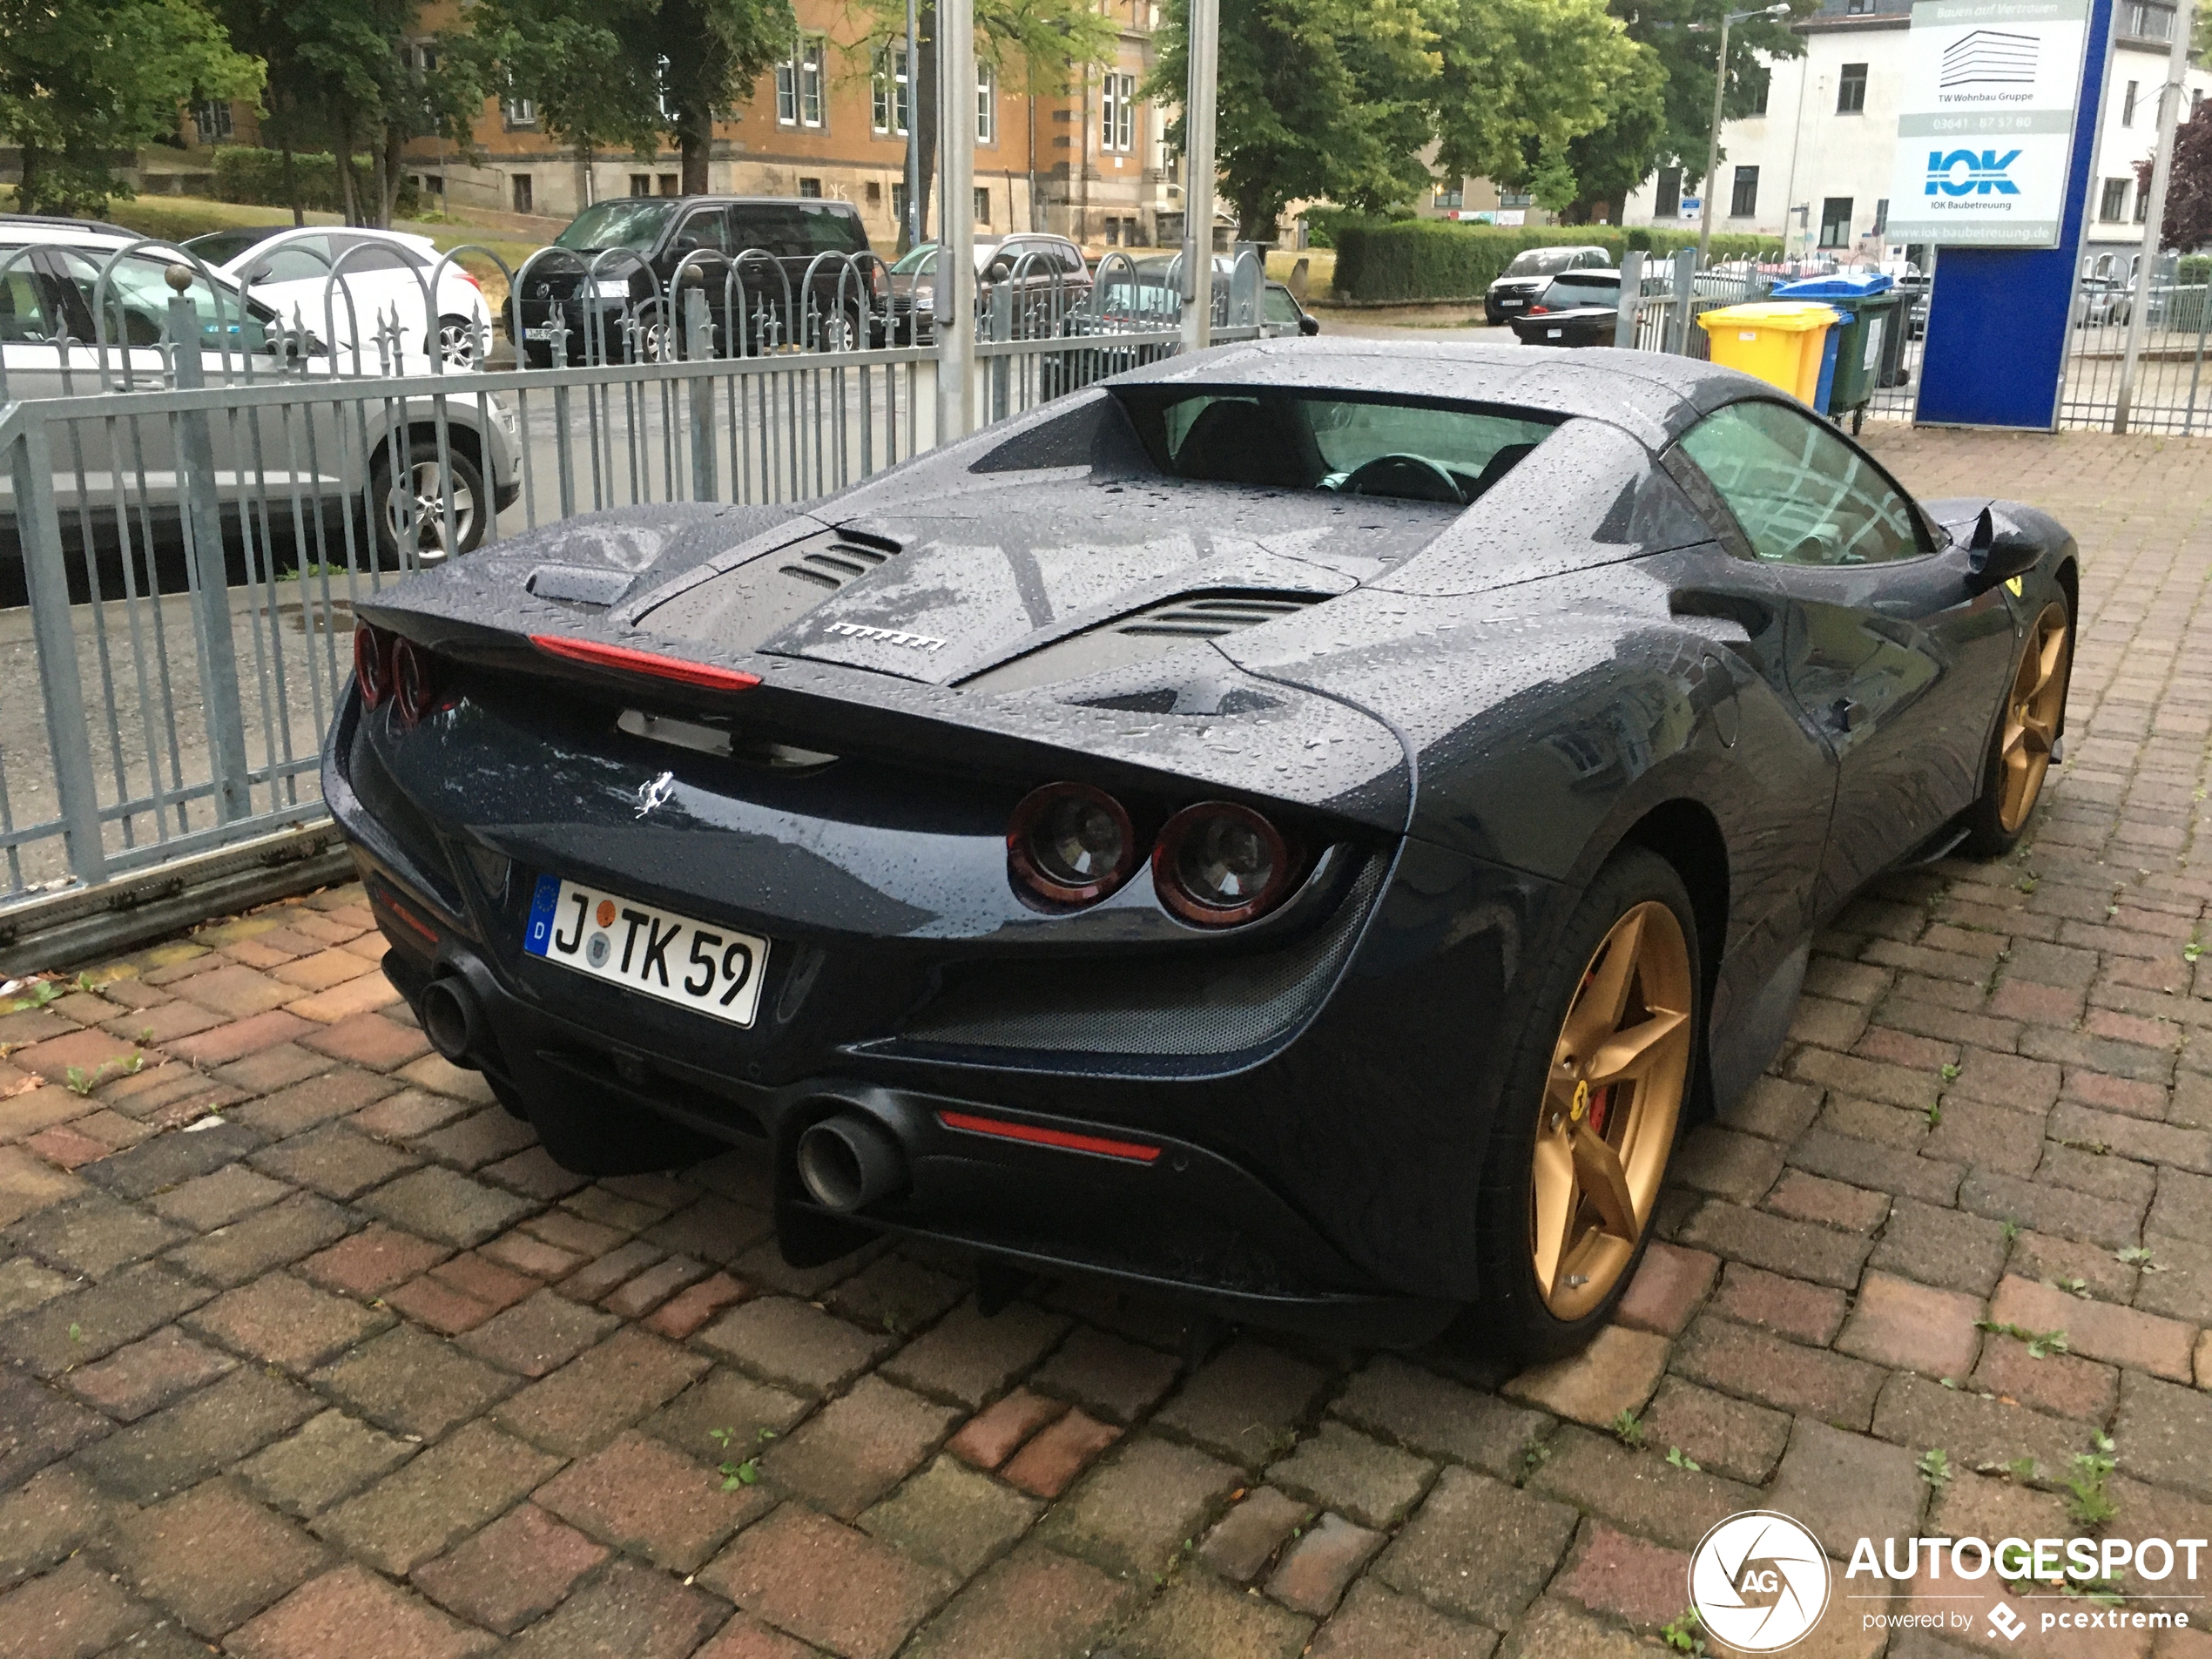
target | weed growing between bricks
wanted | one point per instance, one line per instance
(307, 1348)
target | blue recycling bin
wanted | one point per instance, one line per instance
(1860, 347)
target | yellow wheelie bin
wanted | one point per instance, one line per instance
(1781, 341)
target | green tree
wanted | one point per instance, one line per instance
(82, 79)
(1682, 35)
(1317, 99)
(630, 74)
(1524, 80)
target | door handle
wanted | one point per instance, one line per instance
(1848, 712)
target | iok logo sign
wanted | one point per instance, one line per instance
(1985, 172)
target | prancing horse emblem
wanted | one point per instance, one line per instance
(654, 790)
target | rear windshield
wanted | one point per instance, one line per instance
(627, 222)
(1541, 261)
(1371, 446)
(797, 230)
(1583, 288)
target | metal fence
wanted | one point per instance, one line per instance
(189, 512)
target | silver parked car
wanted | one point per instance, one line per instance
(311, 459)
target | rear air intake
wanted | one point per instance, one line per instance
(832, 565)
(1213, 616)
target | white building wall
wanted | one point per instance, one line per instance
(1808, 154)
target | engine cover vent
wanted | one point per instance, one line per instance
(832, 562)
(1209, 616)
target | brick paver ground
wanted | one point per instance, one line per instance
(306, 1349)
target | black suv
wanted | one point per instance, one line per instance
(630, 236)
(1528, 276)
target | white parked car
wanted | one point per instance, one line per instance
(385, 273)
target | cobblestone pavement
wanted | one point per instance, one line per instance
(307, 1352)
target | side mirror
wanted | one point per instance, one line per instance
(1999, 549)
(1308, 325)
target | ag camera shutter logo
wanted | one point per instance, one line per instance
(1759, 1581)
(1987, 172)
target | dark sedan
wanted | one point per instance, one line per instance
(1582, 309)
(1530, 272)
(1305, 825)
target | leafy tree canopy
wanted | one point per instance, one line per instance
(81, 79)
(629, 74)
(2188, 188)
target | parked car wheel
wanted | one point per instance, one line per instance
(1590, 1108)
(410, 509)
(457, 343)
(2026, 729)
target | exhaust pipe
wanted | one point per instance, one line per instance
(452, 1018)
(847, 1162)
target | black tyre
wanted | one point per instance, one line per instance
(409, 509)
(1589, 1110)
(2026, 731)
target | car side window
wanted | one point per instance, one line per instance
(291, 263)
(708, 228)
(136, 303)
(1802, 494)
(23, 317)
(1276, 305)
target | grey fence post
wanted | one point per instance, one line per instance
(562, 448)
(203, 517)
(1002, 329)
(1685, 308)
(697, 347)
(53, 630)
(1624, 325)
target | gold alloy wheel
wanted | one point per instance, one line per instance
(1610, 1104)
(2032, 712)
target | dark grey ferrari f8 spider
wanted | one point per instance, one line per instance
(1302, 824)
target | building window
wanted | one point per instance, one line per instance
(641, 184)
(2142, 205)
(798, 83)
(524, 201)
(671, 184)
(1743, 200)
(2127, 105)
(2112, 205)
(426, 59)
(1859, 8)
(213, 118)
(1117, 112)
(1835, 221)
(890, 92)
(1450, 197)
(875, 192)
(1758, 98)
(1851, 89)
(2149, 22)
(987, 105)
(982, 205)
(1882, 217)
(810, 189)
(521, 112)
(1668, 203)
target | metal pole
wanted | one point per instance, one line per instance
(211, 588)
(1713, 144)
(912, 226)
(2162, 171)
(956, 219)
(1198, 174)
(1624, 326)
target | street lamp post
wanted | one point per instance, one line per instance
(1713, 146)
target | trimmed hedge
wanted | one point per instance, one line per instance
(247, 173)
(1410, 261)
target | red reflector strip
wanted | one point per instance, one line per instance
(401, 913)
(1135, 1151)
(646, 662)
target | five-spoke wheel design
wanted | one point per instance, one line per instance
(2033, 708)
(1611, 1100)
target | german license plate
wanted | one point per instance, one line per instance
(545, 333)
(1553, 334)
(713, 969)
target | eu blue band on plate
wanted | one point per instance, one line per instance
(544, 902)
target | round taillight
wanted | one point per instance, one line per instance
(1218, 864)
(413, 690)
(372, 663)
(1069, 844)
